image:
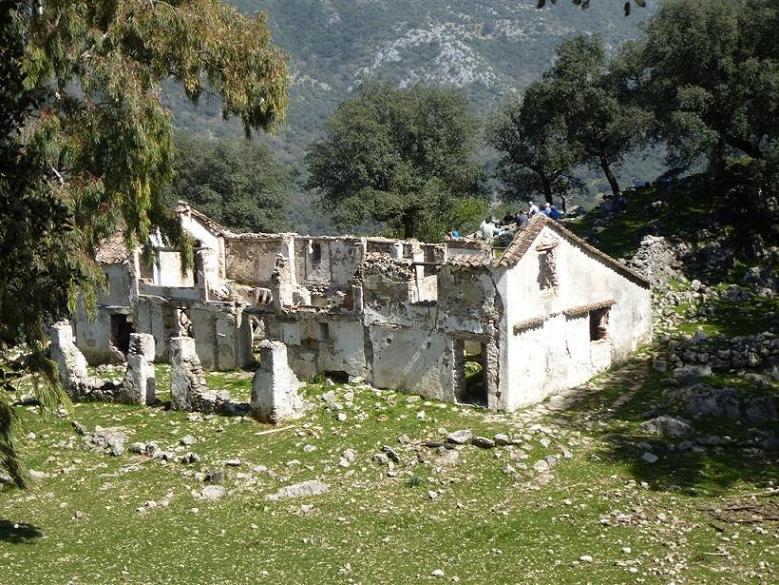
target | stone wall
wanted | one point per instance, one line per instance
(251, 260)
(725, 353)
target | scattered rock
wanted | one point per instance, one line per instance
(212, 492)
(462, 437)
(541, 466)
(502, 440)
(483, 442)
(391, 453)
(110, 440)
(649, 457)
(214, 476)
(312, 487)
(138, 448)
(381, 459)
(667, 426)
(187, 440)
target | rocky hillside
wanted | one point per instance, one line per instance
(488, 49)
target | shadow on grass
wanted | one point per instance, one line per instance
(719, 455)
(18, 533)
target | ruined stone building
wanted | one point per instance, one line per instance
(447, 321)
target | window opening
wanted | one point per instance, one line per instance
(599, 321)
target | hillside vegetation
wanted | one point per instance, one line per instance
(488, 49)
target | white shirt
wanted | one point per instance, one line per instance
(487, 230)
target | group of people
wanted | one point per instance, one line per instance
(490, 228)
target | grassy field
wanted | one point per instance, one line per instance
(600, 515)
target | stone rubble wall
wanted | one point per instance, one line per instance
(719, 353)
(137, 386)
(188, 389)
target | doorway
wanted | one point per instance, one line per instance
(471, 372)
(120, 332)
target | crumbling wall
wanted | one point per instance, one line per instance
(251, 260)
(318, 344)
(275, 387)
(159, 318)
(119, 281)
(414, 360)
(71, 363)
(468, 300)
(137, 387)
(93, 335)
(168, 270)
(188, 388)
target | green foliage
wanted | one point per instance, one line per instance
(237, 183)
(711, 73)
(601, 125)
(87, 144)
(399, 157)
(538, 156)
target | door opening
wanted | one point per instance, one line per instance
(471, 370)
(120, 332)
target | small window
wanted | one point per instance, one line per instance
(547, 270)
(599, 322)
(316, 253)
(323, 331)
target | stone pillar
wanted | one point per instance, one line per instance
(201, 273)
(139, 381)
(70, 361)
(275, 387)
(281, 284)
(186, 376)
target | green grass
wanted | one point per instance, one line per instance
(484, 526)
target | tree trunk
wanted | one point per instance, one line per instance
(547, 189)
(410, 224)
(606, 166)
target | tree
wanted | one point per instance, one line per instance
(400, 157)
(598, 123)
(538, 156)
(238, 183)
(87, 144)
(710, 72)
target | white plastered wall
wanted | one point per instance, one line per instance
(540, 360)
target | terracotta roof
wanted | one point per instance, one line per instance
(526, 235)
(114, 250)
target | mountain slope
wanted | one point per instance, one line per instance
(489, 49)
